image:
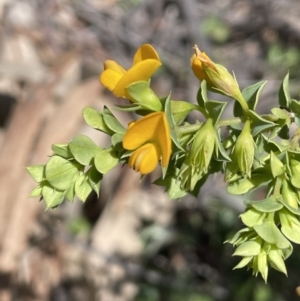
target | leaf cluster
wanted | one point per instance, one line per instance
(256, 151)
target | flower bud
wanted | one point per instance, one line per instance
(217, 77)
(203, 146)
(244, 150)
(197, 161)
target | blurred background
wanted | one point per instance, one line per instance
(132, 243)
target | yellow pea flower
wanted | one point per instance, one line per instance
(151, 140)
(115, 78)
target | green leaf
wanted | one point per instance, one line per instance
(295, 106)
(112, 122)
(245, 184)
(83, 149)
(252, 217)
(287, 252)
(36, 172)
(215, 109)
(266, 206)
(222, 154)
(60, 173)
(83, 188)
(198, 185)
(172, 184)
(277, 166)
(271, 234)
(70, 193)
(180, 109)
(37, 191)
(144, 96)
(281, 114)
(288, 207)
(295, 176)
(105, 160)
(251, 95)
(284, 132)
(171, 122)
(243, 262)
(284, 93)
(117, 140)
(259, 124)
(128, 108)
(242, 233)
(290, 226)
(95, 120)
(62, 150)
(248, 248)
(294, 154)
(95, 179)
(52, 197)
(297, 120)
(276, 261)
(231, 171)
(202, 95)
(270, 145)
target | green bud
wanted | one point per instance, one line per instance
(217, 77)
(244, 150)
(197, 161)
(295, 169)
(203, 146)
(223, 81)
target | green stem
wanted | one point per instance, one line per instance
(227, 122)
(240, 98)
(277, 187)
(271, 216)
(186, 129)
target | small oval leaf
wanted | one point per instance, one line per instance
(83, 149)
(60, 173)
(105, 160)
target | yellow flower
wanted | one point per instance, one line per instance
(151, 140)
(115, 78)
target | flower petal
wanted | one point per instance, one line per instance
(109, 78)
(141, 71)
(142, 131)
(197, 68)
(144, 159)
(151, 128)
(163, 137)
(146, 51)
(110, 64)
